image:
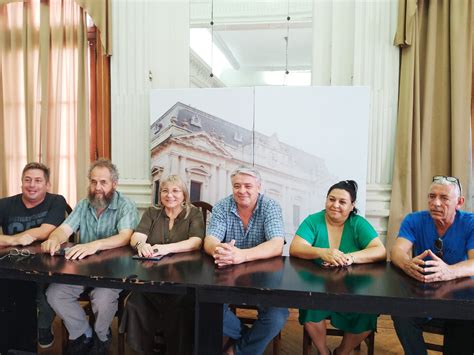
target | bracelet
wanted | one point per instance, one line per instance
(137, 245)
(353, 259)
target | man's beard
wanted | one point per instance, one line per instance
(100, 203)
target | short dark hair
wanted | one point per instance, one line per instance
(351, 187)
(104, 163)
(38, 166)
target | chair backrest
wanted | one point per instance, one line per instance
(73, 238)
(434, 326)
(205, 209)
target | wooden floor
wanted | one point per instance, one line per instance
(386, 341)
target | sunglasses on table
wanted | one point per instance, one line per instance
(451, 179)
(438, 244)
(17, 252)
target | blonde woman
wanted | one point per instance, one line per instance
(174, 226)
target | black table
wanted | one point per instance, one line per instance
(281, 281)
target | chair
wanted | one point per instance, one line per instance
(307, 342)
(84, 298)
(435, 326)
(205, 208)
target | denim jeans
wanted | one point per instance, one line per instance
(410, 334)
(254, 340)
(458, 335)
(45, 312)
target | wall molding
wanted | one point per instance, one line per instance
(377, 207)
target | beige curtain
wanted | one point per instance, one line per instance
(433, 130)
(43, 103)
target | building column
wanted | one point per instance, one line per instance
(213, 191)
(182, 168)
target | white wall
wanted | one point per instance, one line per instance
(150, 50)
(352, 45)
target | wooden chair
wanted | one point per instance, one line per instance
(85, 299)
(435, 326)
(307, 342)
(205, 208)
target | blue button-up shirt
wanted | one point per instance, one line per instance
(120, 214)
(265, 223)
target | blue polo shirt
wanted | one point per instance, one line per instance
(265, 223)
(419, 228)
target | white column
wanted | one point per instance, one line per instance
(322, 29)
(213, 191)
(182, 167)
(342, 46)
(355, 38)
(150, 50)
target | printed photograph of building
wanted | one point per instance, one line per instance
(204, 150)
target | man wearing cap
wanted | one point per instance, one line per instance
(247, 226)
(436, 245)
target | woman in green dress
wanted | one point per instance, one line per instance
(338, 237)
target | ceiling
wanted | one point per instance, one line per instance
(252, 36)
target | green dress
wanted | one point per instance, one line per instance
(357, 234)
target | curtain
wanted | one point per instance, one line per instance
(99, 11)
(44, 112)
(434, 124)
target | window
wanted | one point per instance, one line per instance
(195, 193)
(156, 195)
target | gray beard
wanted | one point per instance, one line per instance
(101, 203)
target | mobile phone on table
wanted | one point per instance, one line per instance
(62, 251)
(155, 258)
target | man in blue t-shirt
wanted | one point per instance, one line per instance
(442, 242)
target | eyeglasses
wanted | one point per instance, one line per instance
(17, 252)
(438, 244)
(451, 179)
(173, 192)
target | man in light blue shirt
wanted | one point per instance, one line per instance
(247, 226)
(106, 220)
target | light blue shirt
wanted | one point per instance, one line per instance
(120, 214)
(265, 223)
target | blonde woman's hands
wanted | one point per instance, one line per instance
(145, 249)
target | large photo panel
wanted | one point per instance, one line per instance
(307, 139)
(301, 139)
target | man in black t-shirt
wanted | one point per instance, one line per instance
(33, 214)
(25, 218)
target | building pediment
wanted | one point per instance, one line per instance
(203, 142)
